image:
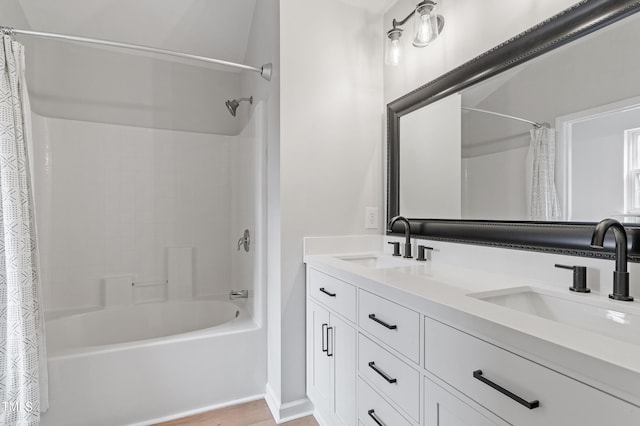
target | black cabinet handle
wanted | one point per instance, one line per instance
(379, 321)
(329, 340)
(324, 349)
(327, 293)
(530, 405)
(375, 418)
(382, 373)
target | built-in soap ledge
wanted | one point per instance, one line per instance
(126, 290)
(149, 291)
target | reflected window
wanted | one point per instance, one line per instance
(632, 171)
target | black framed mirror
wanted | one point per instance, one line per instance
(564, 235)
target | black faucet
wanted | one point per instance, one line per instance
(407, 233)
(620, 275)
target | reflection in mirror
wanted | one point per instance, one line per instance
(583, 167)
(430, 160)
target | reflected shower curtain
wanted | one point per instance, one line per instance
(23, 377)
(544, 199)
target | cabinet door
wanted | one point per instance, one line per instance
(343, 348)
(320, 369)
(444, 409)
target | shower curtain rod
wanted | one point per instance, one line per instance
(264, 70)
(505, 116)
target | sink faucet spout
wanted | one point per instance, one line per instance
(407, 233)
(620, 275)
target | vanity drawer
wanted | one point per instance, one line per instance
(391, 376)
(336, 294)
(457, 358)
(395, 325)
(371, 404)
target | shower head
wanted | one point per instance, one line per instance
(232, 105)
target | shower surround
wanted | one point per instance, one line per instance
(120, 204)
(111, 199)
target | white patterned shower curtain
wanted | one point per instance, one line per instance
(23, 377)
(544, 198)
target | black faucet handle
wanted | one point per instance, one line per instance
(579, 278)
(396, 247)
(421, 253)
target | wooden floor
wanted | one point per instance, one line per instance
(254, 413)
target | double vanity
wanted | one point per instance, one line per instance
(480, 327)
(395, 341)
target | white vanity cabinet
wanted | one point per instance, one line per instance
(331, 352)
(374, 361)
(514, 388)
(393, 324)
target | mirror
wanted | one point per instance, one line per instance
(587, 94)
(574, 72)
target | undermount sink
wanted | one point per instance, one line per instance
(378, 261)
(609, 319)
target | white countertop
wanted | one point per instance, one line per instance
(441, 291)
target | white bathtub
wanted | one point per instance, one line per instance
(151, 362)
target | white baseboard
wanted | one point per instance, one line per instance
(288, 411)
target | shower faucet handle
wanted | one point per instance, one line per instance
(245, 241)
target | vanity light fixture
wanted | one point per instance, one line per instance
(427, 26)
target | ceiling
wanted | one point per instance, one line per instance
(373, 6)
(215, 28)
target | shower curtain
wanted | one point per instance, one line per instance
(544, 199)
(23, 377)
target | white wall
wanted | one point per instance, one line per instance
(330, 148)
(111, 198)
(494, 186)
(13, 16)
(89, 83)
(430, 176)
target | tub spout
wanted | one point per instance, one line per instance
(238, 294)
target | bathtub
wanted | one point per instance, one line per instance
(152, 362)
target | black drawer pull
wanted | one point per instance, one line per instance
(327, 293)
(382, 373)
(375, 418)
(530, 405)
(329, 341)
(379, 321)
